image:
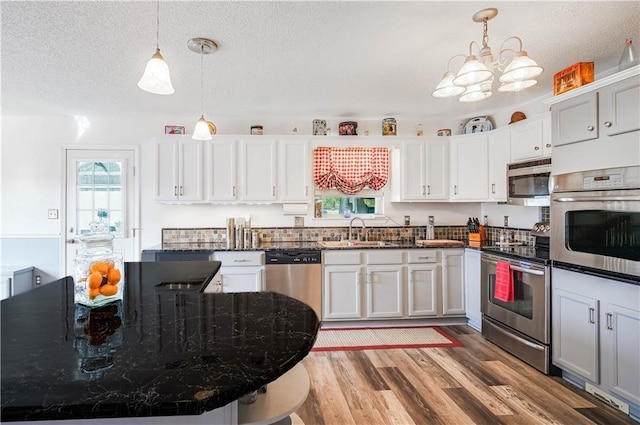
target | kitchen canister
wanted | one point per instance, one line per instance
(98, 274)
(389, 127)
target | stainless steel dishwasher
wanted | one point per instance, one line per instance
(297, 274)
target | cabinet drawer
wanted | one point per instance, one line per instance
(245, 258)
(384, 256)
(424, 256)
(341, 257)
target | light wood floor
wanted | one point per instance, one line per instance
(475, 384)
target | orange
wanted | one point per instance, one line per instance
(95, 280)
(100, 267)
(108, 290)
(113, 276)
(94, 293)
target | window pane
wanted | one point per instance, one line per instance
(115, 198)
(101, 198)
(347, 205)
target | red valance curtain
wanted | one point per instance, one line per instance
(350, 170)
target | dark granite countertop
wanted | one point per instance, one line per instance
(163, 350)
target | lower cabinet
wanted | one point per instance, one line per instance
(392, 283)
(472, 275)
(240, 272)
(596, 333)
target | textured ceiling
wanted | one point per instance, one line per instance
(285, 59)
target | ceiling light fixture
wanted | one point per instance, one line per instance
(202, 46)
(474, 80)
(156, 78)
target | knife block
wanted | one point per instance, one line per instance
(481, 236)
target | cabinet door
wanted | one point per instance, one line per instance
(575, 334)
(295, 171)
(242, 279)
(453, 283)
(437, 172)
(547, 139)
(258, 169)
(191, 185)
(469, 177)
(575, 120)
(423, 289)
(499, 157)
(166, 159)
(527, 141)
(385, 291)
(342, 296)
(619, 107)
(413, 166)
(472, 274)
(621, 343)
(222, 170)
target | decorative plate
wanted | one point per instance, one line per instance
(477, 125)
(517, 116)
(319, 127)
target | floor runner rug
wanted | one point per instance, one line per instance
(343, 339)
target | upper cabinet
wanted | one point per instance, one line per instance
(420, 170)
(499, 143)
(530, 139)
(468, 168)
(597, 125)
(178, 173)
(258, 169)
(294, 166)
(221, 171)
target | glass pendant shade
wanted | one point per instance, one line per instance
(472, 72)
(156, 78)
(446, 88)
(475, 93)
(521, 68)
(517, 85)
(202, 131)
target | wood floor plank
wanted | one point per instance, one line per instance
(605, 416)
(473, 407)
(393, 411)
(434, 373)
(367, 371)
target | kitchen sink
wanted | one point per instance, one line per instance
(355, 244)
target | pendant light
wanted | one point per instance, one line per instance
(202, 46)
(156, 78)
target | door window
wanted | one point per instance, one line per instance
(100, 193)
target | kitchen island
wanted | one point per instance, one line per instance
(167, 352)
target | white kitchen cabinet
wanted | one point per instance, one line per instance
(421, 170)
(472, 275)
(222, 175)
(468, 168)
(453, 296)
(499, 143)
(423, 289)
(597, 125)
(294, 168)
(385, 291)
(530, 139)
(596, 332)
(258, 165)
(241, 271)
(342, 292)
(178, 174)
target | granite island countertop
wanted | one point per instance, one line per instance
(166, 349)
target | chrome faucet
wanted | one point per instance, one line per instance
(351, 225)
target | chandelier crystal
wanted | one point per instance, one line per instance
(474, 81)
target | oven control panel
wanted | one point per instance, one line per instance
(610, 181)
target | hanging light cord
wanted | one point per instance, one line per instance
(158, 25)
(202, 79)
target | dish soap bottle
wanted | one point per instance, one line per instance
(629, 56)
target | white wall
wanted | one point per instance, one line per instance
(31, 177)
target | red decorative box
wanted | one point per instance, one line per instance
(576, 75)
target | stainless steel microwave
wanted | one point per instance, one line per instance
(596, 220)
(528, 183)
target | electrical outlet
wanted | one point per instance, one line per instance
(53, 214)
(506, 221)
(299, 222)
(431, 219)
(38, 279)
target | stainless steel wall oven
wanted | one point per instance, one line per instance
(596, 221)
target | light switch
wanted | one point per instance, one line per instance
(53, 214)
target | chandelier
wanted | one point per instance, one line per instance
(474, 81)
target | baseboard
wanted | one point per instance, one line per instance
(607, 398)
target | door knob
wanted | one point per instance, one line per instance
(590, 128)
(72, 241)
(607, 124)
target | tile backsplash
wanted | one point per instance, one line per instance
(405, 234)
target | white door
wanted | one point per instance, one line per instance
(101, 180)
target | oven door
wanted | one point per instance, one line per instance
(597, 229)
(529, 312)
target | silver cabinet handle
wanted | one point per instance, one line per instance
(273, 190)
(181, 191)
(424, 189)
(607, 124)
(548, 145)
(590, 128)
(455, 189)
(306, 191)
(233, 190)
(493, 188)
(609, 321)
(537, 148)
(592, 312)
(175, 190)
(428, 189)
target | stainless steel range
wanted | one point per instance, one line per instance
(520, 325)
